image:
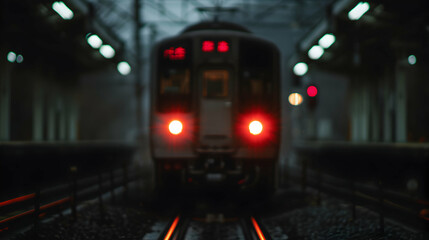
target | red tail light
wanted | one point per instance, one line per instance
(175, 127)
(255, 127)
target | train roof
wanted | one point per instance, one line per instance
(216, 25)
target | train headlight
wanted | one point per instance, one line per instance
(175, 127)
(255, 127)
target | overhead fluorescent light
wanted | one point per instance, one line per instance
(11, 57)
(300, 68)
(94, 41)
(19, 58)
(358, 11)
(124, 68)
(327, 40)
(315, 52)
(107, 51)
(61, 8)
(412, 59)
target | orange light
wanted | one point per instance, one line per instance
(424, 213)
(175, 127)
(258, 229)
(255, 127)
(172, 227)
(295, 99)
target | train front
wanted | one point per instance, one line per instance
(215, 109)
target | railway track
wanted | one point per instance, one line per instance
(214, 227)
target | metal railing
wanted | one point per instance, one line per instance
(31, 208)
(50, 194)
(372, 191)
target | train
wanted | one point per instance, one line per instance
(215, 108)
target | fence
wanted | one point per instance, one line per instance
(45, 179)
(389, 179)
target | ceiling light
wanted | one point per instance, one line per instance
(358, 11)
(19, 59)
(107, 51)
(61, 8)
(11, 57)
(327, 40)
(95, 41)
(124, 68)
(315, 52)
(412, 59)
(300, 69)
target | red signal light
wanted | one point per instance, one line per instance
(255, 127)
(222, 46)
(208, 46)
(312, 91)
(175, 127)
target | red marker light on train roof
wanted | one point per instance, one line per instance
(175, 127)
(208, 46)
(222, 46)
(255, 127)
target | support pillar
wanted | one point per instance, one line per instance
(387, 107)
(138, 18)
(184, 10)
(51, 116)
(62, 118)
(4, 98)
(360, 110)
(375, 113)
(400, 104)
(365, 111)
(72, 117)
(354, 111)
(38, 110)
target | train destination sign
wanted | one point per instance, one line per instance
(178, 53)
(211, 46)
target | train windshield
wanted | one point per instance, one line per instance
(174, 78)
(175, 82)
(256, 76)
(215, 83)
(174, 89)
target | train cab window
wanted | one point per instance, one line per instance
(255, 86)
(175, 81)
(174, 92)
(215, 83)
(255, 89)
(174, 78)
